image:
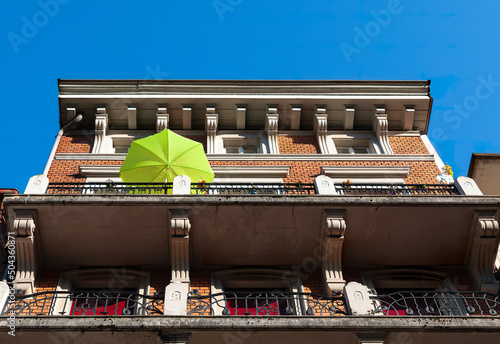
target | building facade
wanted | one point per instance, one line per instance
(331, 218)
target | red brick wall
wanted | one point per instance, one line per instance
(407, 145)
(76, 144)
(298, 145)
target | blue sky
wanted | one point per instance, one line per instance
(455, 44)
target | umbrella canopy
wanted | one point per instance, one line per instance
(161, 157)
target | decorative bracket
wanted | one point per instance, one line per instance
(296, 111)
(381, 129)
(333, 230)
(483, 250)
(161, 118)
(26, 250)
(132, 116)
(211, 122)
(348, 116)
(101, 128)
(408, 117)
(180, 226)
(272, 119)
(241, 111)
(320, 128)
(186, 116)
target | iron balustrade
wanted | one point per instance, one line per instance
(266, 304)
(113, 188)
(348, 189)
(437, 303)
(87, 302)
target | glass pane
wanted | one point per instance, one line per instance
(343, 150)
(233, 150)
(250, 150)
(360, 150)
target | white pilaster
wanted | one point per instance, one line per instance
(333, 228)
(296, 111)
(101, 128)
(381, 129)
(211, 123)
(348, 116)
(320, 128)
(161, 118)
(26, 250)
(272, 119)
(132, 116)
(483, 250)
(241, 112)
(180, 227)
(186, 116)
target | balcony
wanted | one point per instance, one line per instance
(255, 303)
(251, 189)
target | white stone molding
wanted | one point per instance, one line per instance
(101, 128)
(180, 227)
(176, 299)
(296, 111)
(161, 118)
(366, 172)
(181, 185)
(186, 116)
(324, 185)
(381, 129)
(132, 116)
(211, 123)
(26, 250)
(467, 186)
(37, 185)
(483, 250)
(320, 128)
(408, 117)
(272, 119)
(358, 299)
(333, 229)
(241, 113)
(348, 116)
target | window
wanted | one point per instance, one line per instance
(242, 146)
(353, 146)
(256, 292)
(102, 292)
(403, 292)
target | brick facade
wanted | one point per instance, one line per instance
(298, 145)
(407, 145)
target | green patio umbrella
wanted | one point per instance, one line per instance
(161, 157)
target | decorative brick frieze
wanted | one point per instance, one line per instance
(407, 145)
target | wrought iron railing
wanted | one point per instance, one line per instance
(87, 302)
(196, 188)
(348, 189)
(266, 303)
(437, 303)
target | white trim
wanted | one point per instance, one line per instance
(269, 157)
(294, 97)
(433, 151)
(366, 171)
(404, 133)
(251, 171)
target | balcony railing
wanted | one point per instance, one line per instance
(266, 303)
(437, 303)
(396, 190)
(251, 189)
(88, 302)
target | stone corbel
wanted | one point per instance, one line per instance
(186, 116)
(161, 118)
(333, 229)
(211, 122)
(132, 116)
(26, 250)
(180, 227)
(348, 116)
(381, 129)
(296, 111)
(321, 127)
(408, 117)
(483, 250)
(241, 112)
(272, 119)
(101, 128)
